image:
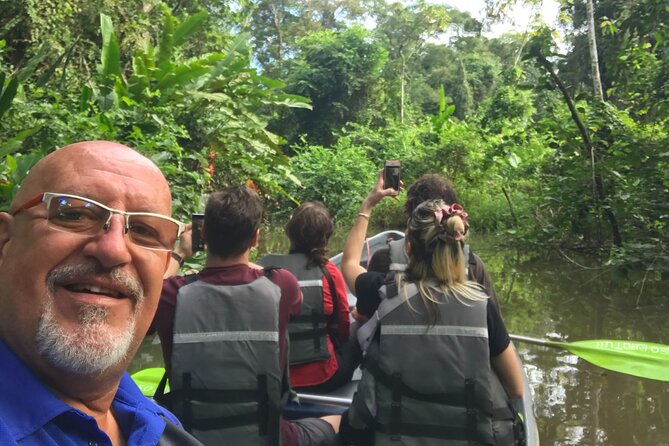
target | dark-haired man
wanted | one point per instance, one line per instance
(83, 250)
(429, 187)
(224, 335)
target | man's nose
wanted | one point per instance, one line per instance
(110, 246)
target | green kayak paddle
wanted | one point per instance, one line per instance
(147, 380)
(643, 359)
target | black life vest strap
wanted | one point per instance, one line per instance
(228, 422)
(503, 414)
(268, 413)
(309, 318)
(429, 431)
(232, 396)
(397, 429)
(187, 403)
(391, 285)
(307, 334)
(160, 396)
(316, 332)
(266, 416)
(174, 435)
(470, 405)
(396, 407)
(333, 319)
(190, 278)
(449, 399)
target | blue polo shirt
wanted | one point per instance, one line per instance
(30, 414)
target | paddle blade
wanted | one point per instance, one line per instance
(147, 380)
(643, 359)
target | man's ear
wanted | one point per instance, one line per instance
(6, 232)
(254, 240)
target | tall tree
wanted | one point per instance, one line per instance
(339, 71)
(594, 58)
(405, 29)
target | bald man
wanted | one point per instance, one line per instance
(83, 249)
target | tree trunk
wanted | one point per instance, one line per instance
(592, 43)
(402, 91)
(598, 185)
(277, 18)
(508, 201)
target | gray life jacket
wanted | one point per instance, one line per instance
(399, 259)
(226, 378)
(431, 384)
(307, 332)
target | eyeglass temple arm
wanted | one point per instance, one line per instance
(32, 202)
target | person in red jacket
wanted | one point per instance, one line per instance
(321, 358)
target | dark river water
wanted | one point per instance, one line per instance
(549, 295)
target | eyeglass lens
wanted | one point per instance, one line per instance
(81, 216)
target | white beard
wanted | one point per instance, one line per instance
(95, 346)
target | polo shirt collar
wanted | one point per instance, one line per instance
(27, 404)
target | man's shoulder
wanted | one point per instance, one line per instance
(128, 391)
(291, 294)
(476, 262)
(380, 260)
(281, 276)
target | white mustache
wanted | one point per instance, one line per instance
(129, 285)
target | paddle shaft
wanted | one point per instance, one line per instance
(323, 399)
(536, 341)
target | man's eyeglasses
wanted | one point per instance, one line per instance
(72, 213)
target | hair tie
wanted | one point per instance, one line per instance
(442, 215)
(445, 237)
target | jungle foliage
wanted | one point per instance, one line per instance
(306, 99)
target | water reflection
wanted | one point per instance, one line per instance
(578, 403)
(541, 294)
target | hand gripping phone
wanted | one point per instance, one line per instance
(197, 240)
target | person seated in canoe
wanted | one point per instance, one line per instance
(321, 358)
(224, 335)
(393, 258)
(434, 344)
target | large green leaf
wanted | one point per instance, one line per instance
(166, 43)
(181, 75)
(12, 145)
(32, 64)
(8, 95)
(643, 359)
(111, 52)
(189, 26)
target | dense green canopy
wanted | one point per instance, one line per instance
(306, 99)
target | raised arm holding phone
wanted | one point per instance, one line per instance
(440, 350)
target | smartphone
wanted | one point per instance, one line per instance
(197, 240)
(391, 175)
